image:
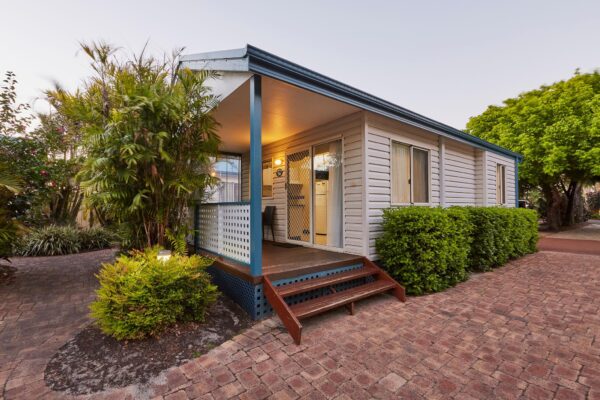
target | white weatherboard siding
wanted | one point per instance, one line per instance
(468, 173)
(380, 134)
(493, 160)
(350, 130)
(459, 174)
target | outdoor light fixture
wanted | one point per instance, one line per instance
(163, 255)
(278, 162)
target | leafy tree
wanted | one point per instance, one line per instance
(62, 142)
(147, 134)
(557, 129)
(14, 118)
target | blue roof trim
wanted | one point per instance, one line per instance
(268, 64)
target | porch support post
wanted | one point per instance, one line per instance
(255, 176)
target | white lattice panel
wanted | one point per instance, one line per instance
(209, 227)
(224, 229)
(234, 231)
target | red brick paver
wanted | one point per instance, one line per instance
(39, 312)
(527, 330)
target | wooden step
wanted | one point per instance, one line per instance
(318, 283)
(335, 300)
(291, 315)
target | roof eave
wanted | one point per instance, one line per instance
(253, 59)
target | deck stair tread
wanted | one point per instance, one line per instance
(318, 283)
(291, 315)
(338, 299)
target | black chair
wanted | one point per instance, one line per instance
(268, 219)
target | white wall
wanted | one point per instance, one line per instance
(367, 191)
(380, 132)
(469, 173)
(493, 160)
(350, 130)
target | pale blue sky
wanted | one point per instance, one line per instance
(445, 59)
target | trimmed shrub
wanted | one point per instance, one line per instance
(97, 238)
(430, 249)
(500, 234)
(57, 240)
(51, 240)
(140, 296)
(426, 249)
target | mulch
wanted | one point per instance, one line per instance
(93, 362)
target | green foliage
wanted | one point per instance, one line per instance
(140, 295)
(426, 249)
(500, 234)
(14, 118)
(177, 241)
(51, 240)
(9, 230)
(430, 249)
(97, 238)
(55, 240)
(557, 129)
(148, 134)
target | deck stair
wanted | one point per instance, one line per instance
(369, 280)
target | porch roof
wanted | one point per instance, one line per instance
(254, 60)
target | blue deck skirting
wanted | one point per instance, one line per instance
(252, 299)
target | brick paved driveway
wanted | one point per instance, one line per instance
(528, 330)
(39, 312)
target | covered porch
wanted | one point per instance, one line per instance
(270, 141)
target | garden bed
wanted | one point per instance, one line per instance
(93, 362)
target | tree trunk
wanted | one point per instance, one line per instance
(554, 203)
(571, 195)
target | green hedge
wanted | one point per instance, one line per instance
(430, 249)
(140, 295)
(501, 234)
(426, 249)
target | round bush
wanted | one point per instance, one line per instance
(140, 296)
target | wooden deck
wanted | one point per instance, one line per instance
(281, 261)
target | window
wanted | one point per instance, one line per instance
(228, 189)
(410, 174)
(500, 184)
(267, 179)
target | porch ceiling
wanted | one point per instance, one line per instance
(287, 110)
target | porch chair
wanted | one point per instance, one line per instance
(268, 219)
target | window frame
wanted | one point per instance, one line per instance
(501, 184)
(411, 175)
(221, 156)
(262, 186)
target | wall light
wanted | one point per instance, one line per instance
(278, 162)
(164, 255)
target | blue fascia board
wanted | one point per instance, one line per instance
(267, 64)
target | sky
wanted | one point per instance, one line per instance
(447, 60)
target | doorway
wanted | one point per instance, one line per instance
(327, 192)
(315, 195)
